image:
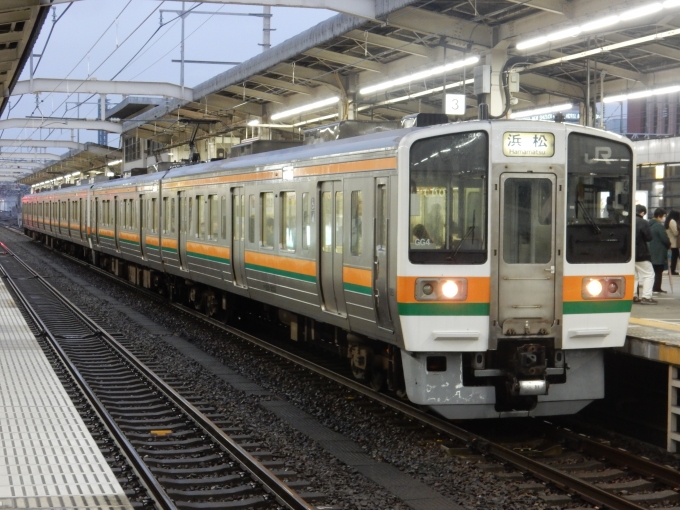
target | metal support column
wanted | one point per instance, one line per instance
(673, 408)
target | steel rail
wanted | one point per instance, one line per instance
(563, 480)
(272, 484)
(161, 499)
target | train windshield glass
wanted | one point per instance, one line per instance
(448, 199)
(599, 201)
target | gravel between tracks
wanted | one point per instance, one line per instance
(456, 478)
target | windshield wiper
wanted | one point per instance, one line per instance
(470, 230)
(588, 217)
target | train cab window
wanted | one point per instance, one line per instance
(223, 202)
(213, 216)
(251, 219)
(356, 212)
(448, 196)
(267, 226)
(288, 220)
(599, 200)
(306, 224)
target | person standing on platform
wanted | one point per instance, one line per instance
(658, 247)
(671, 224)
(644, 272)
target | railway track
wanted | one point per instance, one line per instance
(179, 447)
(575, 464)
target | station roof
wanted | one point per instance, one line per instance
(91, 157)
(631, 46)
(20, 24)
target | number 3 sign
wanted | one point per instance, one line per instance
(455, 104)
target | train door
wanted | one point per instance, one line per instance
(381, 253)
(330, 247)
(526, 265)
(81, 218)
(238, 240)
(182, 230)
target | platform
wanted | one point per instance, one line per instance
(654, 334)
(48, 459)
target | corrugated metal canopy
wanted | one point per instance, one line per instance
(20, 24)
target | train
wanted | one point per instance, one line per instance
(480, 269)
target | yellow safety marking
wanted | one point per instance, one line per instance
(668, 352)
(161, 432)
(653, 323)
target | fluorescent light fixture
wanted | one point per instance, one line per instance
(597, 24)
(114, 162)
(427, 92)
(420, 75)
(600, 23)
(109, 173)
(639, 12)
(542, 111)
(317, 119)
(301, 109)
(643, 93)
(564, 34)
(254, 122)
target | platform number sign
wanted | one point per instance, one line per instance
(455, 104)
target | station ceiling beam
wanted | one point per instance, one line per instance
(389, 43)
(91, 86)
(361, 8)
(281, 84)
(61, 144)
(347, 60)
(29, 155)
(59, 123)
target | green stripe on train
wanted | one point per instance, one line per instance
(279, 272)
(208, 257)
(444, 309)
(127, 241)
(583, 307)
(360, 289)
(169, 250)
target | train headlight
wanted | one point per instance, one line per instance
(609, 287)
(441, 289)
(594, 288)
(449, 289)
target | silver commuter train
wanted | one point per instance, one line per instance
(481, 268)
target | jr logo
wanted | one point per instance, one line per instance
(601, 154)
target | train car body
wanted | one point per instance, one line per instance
(481, 267)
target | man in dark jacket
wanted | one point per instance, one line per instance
(658, 247)
(644, 272)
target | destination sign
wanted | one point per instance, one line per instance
(532, 145)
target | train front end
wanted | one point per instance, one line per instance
(515, 265)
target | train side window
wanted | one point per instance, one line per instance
(327, 228)
(288, 220)
(200, 217)
(166, 216)
(356, 233)
(267, 226)
(223, 202)
(251, 219)
(306, 225)
(190, 210)
(213, 216)
(172, 215)
(154, 215)
(338, 221)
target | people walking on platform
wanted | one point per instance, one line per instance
(671, 224)
(658, 247)
(644, 272)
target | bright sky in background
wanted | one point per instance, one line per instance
(102, 39)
